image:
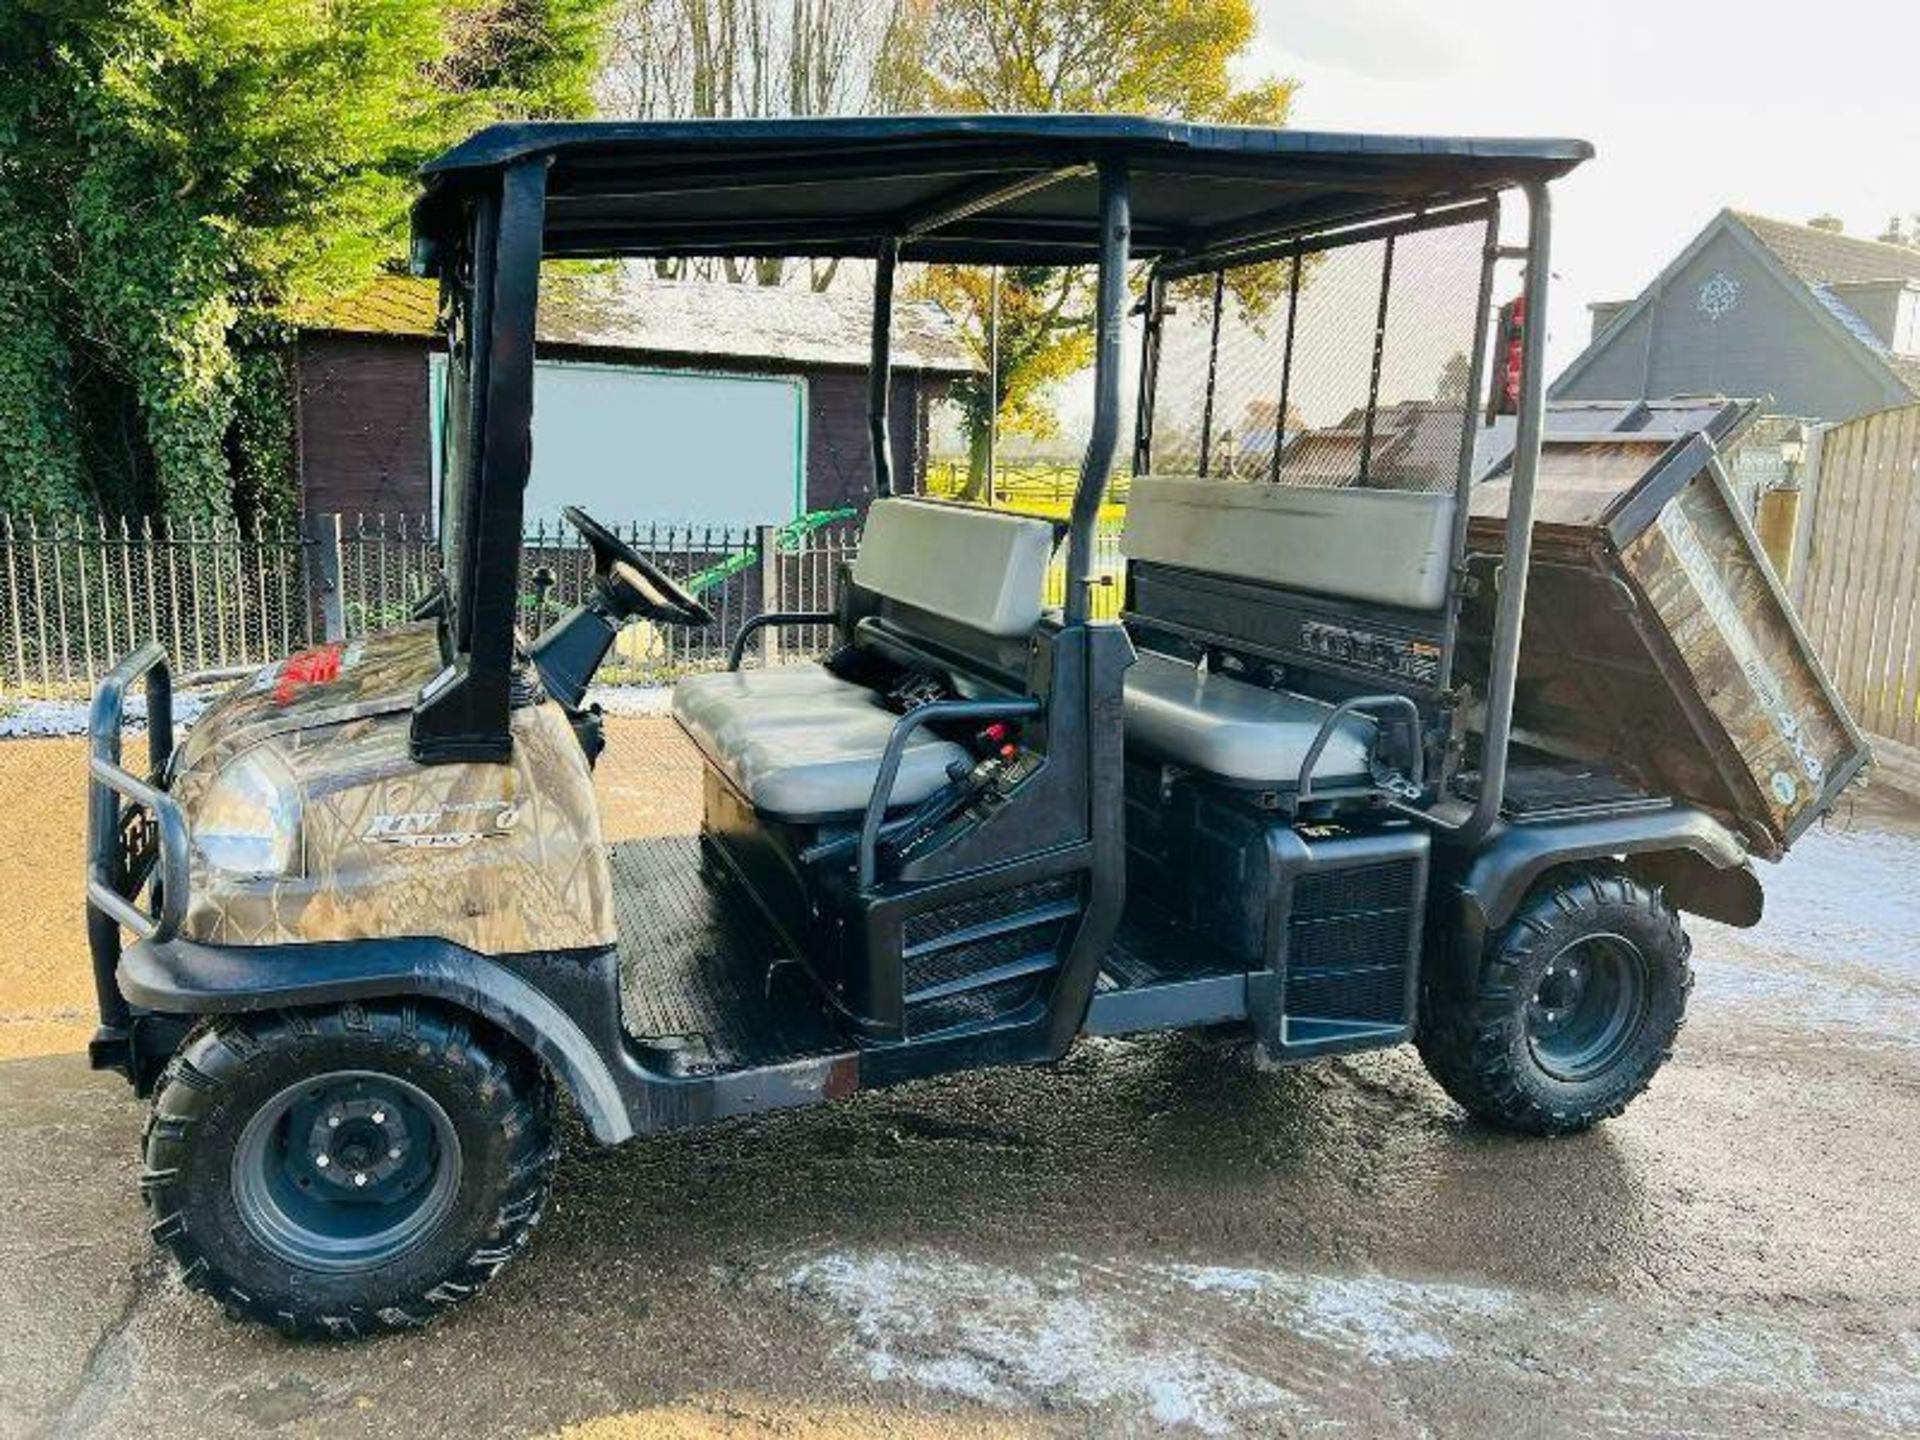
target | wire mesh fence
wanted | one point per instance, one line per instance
(1347, 365)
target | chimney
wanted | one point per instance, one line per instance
(1603, 313)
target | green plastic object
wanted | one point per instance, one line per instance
(786, 538)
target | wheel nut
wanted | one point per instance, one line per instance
(333, 1122)
(379, 1117)
(322, 1161)
(359, 1179)
(394, 1153)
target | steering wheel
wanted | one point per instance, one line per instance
(632, 583)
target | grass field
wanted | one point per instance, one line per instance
(1039, 488)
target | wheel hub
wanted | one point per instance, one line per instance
(1586, 1007)
(358, 1144)
(1562, 987)
(346, 1170)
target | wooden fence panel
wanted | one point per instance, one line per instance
(1860, 595)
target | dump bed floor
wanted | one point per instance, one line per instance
(1545, 789)
(704, 980)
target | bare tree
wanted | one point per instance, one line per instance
(703, 59)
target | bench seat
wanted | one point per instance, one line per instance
(802, 744)
(1239, 732)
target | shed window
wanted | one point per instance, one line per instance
(635, 445)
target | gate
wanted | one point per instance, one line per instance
(1859, 592)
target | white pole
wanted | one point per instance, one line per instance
(993, 379)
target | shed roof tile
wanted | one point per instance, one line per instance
(620, 312)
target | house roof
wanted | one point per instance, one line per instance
(1822, 257)
(678, 318)
(969, 189)
(1815, 264)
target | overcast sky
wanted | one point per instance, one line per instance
(1787, 109)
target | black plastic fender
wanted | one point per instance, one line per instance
(181, 977)
(1701, 864)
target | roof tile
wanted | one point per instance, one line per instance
(1821, 257)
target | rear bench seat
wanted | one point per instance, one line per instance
(804, 745)
(1244, 734)
(1381, 547)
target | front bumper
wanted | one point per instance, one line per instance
(137, 848)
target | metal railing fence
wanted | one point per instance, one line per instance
(78, 593)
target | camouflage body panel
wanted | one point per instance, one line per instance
(501, 859)
(345, 680)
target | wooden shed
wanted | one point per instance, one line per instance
(654, 400)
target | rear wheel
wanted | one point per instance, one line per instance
(350, 1170)
(1573, 1007)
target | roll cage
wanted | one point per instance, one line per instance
(1048, 190)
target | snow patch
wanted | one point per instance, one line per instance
(1003, 1338)
(1384, 1319)
(1221, 1349)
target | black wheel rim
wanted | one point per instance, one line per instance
(346, 1171)
(1588, 1004)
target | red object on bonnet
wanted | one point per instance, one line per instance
(307, 667)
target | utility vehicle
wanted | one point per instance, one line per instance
(375, 927)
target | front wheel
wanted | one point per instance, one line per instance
(345, 1171)
(1574, 1005)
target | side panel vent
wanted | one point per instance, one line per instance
(1345, 967)
(1348, 941)
(979, 959)
(929, 926)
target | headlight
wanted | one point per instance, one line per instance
(248, 822)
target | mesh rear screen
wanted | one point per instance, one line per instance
(1295, 371)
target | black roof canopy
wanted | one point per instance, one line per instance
(1007, 189)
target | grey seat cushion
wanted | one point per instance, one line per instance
(801, 743)
(1240, 732)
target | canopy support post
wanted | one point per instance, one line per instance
(464, 712)
(1110, 322)
(1510, 615)
(880, 368)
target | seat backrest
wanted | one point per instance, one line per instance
(1385, 547)
(980, 568)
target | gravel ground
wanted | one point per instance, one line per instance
(1151, 1235)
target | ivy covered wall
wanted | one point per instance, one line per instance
(171, 174)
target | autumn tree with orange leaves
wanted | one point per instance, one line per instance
(1176, 60)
